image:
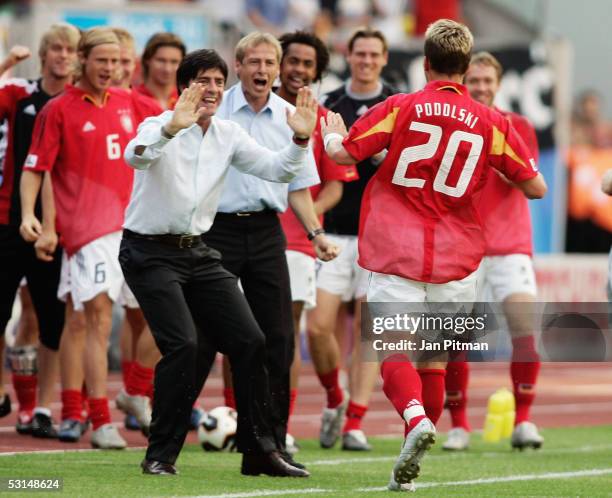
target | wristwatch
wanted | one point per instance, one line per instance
(317, 231)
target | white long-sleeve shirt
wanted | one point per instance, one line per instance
(178, 181)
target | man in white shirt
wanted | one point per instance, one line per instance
(192, 304)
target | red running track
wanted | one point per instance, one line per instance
(568, 394)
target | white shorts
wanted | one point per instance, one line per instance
(94, 270)
(302, 278)
(502, 276)
(393, 289)
(343, 276)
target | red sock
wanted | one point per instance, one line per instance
(99, 412)
(524, 371)
(228, 395)
(72, 404)
(25, 389)
(331, 384)
(292, 398)
(432, 380)
(354, 416)
(126, 366)
(139, 380)
(457, 376)
(402, 386)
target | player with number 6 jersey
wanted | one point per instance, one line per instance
(81, 142)
(79, 137)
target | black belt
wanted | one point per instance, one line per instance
(182, 241)
(246, 214)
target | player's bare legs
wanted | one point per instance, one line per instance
(363, 375)
(524, 368)
(138, 373)
(325, 354)
(324, 347)
(98, 316)
(72, 374)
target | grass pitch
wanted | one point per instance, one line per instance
(573, 462)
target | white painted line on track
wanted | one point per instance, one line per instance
(496, 480)
(76, 450)
(264, 492)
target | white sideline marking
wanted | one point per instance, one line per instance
(495, 480)
(455, 455)
(276, 492)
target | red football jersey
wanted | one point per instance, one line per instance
(142, 89)
(504, 209)
(82, 144)
(418, 215)
(328, 170)
(144, 107)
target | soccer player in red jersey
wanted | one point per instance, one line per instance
(419, 233)
(20, 101)
(506, 275)
(79, 137)
(342, 284)
(304, 60)
(161, 58)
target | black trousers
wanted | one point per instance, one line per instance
(17, 260)
(194, 308)
(253, 249)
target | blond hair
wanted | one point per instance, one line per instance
(487, 59)
(255, 39)
(94, 37)
(60, 31)
(448, 46)
(124, 36)
(91, 39)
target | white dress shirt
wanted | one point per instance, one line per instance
(178, 181)
(269, 128)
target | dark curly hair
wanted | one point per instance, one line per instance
(306, 38)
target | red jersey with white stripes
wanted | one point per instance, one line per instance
(82, 144)
(328, 170)
(418, 216)
(503, 208)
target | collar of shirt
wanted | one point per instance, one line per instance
(237, 102)
(269, 128)
(448, 86)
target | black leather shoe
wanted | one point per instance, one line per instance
(271, 464)
(5, 406)
(156, 468)
(42, 427)
(285, 455)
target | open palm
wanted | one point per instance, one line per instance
(304, 119)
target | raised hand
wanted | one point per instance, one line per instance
(186, 110)
(304, 119)
(333, 124)
(18, 53)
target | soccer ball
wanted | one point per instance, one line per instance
(217, 431)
